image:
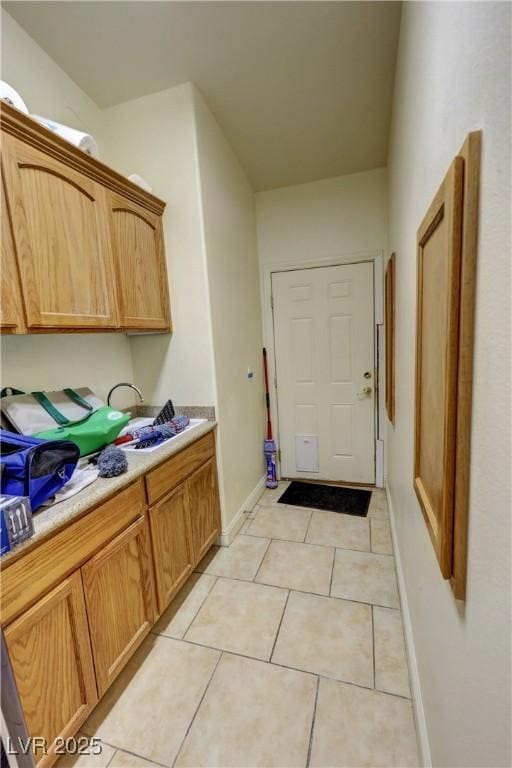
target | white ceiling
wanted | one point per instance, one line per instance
(302, 90)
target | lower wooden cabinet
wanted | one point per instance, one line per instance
(68, 647)
(118, 588)
(170, 535)
(51, 658)
(203, 500)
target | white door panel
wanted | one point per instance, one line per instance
(324, 344)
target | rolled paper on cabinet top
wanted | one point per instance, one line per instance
(140, 182)
(12, 97)
(83, 141)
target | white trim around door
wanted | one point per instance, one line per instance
(376, 258)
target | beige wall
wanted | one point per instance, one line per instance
(454, 76)
(54, 361)
(48, 361)
(343, 216)
(154, 136)
(172, 140)
(338, 219)
(232, 263)
(44, 87)
(212, 262)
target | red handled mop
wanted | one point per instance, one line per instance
(269, 446)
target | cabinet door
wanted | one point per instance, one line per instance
(118, 589)
(170, 535)
(51, 658)
(143, 291)
(204, 508)
(11, 307)
(60, 226)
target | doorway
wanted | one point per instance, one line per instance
(325, 379)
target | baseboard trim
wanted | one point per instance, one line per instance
(417, 701)
(228, 534)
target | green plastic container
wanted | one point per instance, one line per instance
(93, 433)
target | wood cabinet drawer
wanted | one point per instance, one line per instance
(176, 469)
(27, 578)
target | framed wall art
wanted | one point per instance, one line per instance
(446, 253)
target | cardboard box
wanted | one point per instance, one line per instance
(16, 523)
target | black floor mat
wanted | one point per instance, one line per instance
(350, 501)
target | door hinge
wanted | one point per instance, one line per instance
(275, 382)
(279, 454)
(272, 300)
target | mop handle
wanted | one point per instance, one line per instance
(267, 396)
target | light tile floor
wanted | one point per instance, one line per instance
(285, 649)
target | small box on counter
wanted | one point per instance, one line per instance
(15, 521)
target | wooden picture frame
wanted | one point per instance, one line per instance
(444, 346)
(389, 319)
(470, 153)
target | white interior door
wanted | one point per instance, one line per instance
(324, 347)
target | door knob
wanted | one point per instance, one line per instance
(365, 392)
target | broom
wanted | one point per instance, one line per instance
(269, 446)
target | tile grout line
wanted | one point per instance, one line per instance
(221, 654)
(262, 560)
(332, 571)
(202, 602)
(157, 634)
(294, 589)
(310, 544)
(279, 626)
(117, 748)
(237, 578)
(197, 644)
(310, 746)
(308, 526)
(373, 648)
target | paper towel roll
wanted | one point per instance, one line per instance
(140, 182)
(83, 141)
(12, 97)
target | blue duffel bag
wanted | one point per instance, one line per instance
(35, 467)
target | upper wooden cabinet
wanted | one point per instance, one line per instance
(63, 242)
(11, 307)
(84, 249)
(139, 255)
